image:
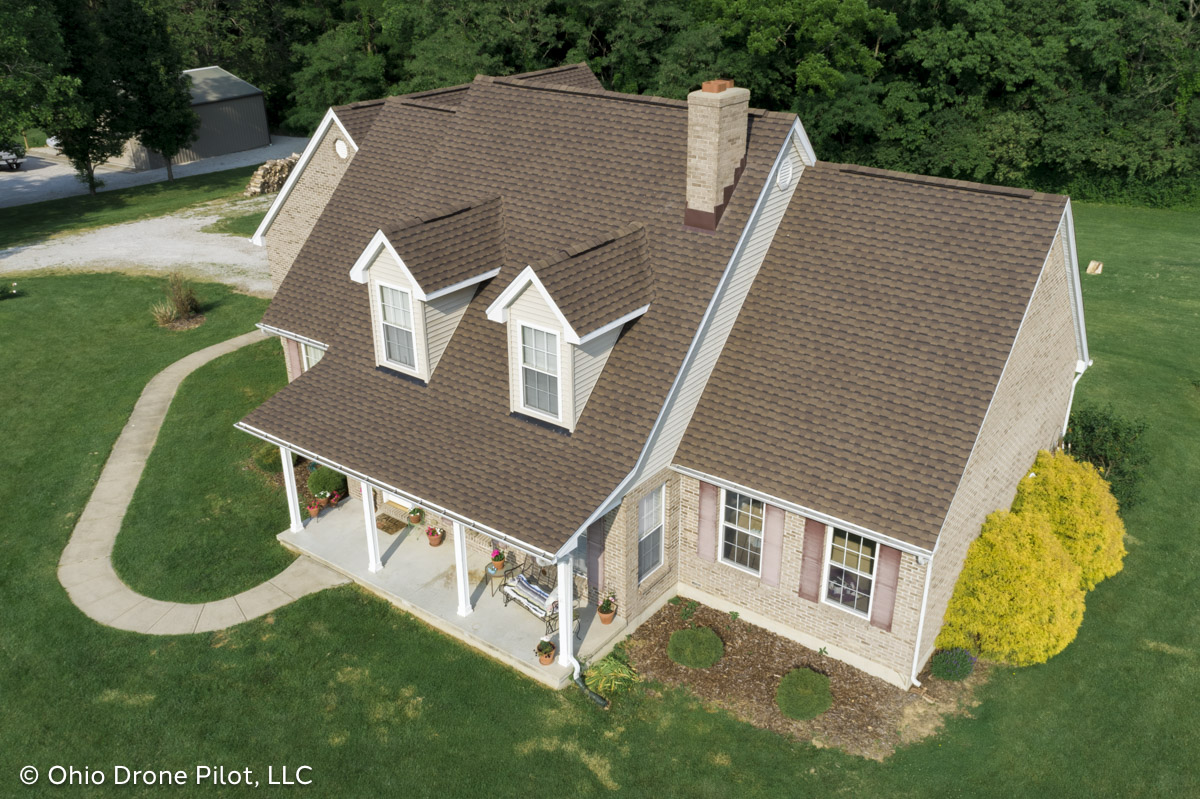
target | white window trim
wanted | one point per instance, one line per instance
(825, 576)
(304, 348)
(537, 413)
(721, 536)
(662, 529)
(415, 370)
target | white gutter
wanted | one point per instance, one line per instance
(1080, 368)
(275, 331)
(415, 500)
(921, 623)
(690, 357)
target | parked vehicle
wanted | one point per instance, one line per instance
(12, 155)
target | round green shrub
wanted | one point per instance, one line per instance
(266, 457)
(952, 664)
(803, 694)
(695, 647)
(326, 479)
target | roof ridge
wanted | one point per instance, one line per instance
(949, 183)
(588, 245)
(438, 213)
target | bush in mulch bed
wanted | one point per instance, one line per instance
(267, 458)
(324, 481)
(695, 647)
(803, 694)
(952, 664)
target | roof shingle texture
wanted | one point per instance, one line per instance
(449, 246)
(857, 375)
(569, 165)
(598, 282)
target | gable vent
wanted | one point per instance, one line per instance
(784, 178)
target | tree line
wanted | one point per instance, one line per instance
(1096, 98)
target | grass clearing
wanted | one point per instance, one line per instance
(378, 704)
(22, 224)
(242, 225)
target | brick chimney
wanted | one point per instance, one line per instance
(716, 150)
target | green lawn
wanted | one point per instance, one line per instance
(202, 526)
(23, 224)
(378, 704)
(237, 224)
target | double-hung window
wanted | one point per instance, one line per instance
(539, 370)
(311, 355)
(851, 571)
(650, 532)
(396, 317)
(742, 531)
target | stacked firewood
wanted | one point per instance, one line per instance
(271, 176)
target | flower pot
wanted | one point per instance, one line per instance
(314, 511)
(414, 518)
(546, 659)
(607, 618)
(334, 500)
(436, 540)
(498, 565)
(322, 501)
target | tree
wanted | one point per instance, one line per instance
(1083, 515)
(149, 69)
(1018, 598)
(31, 61)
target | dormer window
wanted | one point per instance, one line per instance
(396, 319)
(539, 370)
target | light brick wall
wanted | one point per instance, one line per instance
(716, 144)
(304, 204)
(1026, 415)
(292, 358)
(621, 549)
(848, 636)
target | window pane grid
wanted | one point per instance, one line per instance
(398, 342)
(650, 532)
(742, 536)
(851, 571)
(539, 370)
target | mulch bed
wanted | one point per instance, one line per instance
(186, 324)
(869, 717)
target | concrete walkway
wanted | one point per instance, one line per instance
(85, 568)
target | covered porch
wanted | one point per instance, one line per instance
(429, 583)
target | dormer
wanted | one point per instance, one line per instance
(420, 276)
(563, 317)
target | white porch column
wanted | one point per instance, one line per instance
(293, 496)
(368, 502)
(566, 620)
(460, 570)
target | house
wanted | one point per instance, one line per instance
(658, 348)
(233, 118)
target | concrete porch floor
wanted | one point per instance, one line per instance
(419, 579)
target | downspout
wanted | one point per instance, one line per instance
(921, 622)
(1080, 368)
(578, 678)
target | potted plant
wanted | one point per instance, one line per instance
(323, 482)
(313, 509)
(545, 651)
(436, 536)
(416, 515)
(497, 560)
(322, 498)
(334, 498)
(607, 609)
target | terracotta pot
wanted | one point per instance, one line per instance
(606, 618)
(436, 540)
(414, 518)
(334, 500)
(498, 565)
(546, 660)
(314, 511)
(322, 501)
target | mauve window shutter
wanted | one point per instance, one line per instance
(706, 541)
(887, 575)
(813, 560)
(772, 555)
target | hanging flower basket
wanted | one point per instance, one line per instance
(416, 516)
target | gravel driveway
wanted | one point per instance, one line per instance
(48, 176)
(157, 246)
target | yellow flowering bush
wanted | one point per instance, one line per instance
(1081, 510)
(1018, 599)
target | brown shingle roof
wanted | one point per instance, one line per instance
(356, 118)
(575, 76)
(597, 282)
(448, 246)
(569, 165)
(857, 375)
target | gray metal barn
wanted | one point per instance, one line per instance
(232, 118)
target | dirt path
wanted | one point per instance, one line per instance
(157, 246)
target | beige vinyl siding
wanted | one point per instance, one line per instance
(383, 270)
(716, 332)
(530, 308)
(589, 363)
(442, 316)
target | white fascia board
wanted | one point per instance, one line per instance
(498, 310)
(1068, 221)
(713, 301)
(808, 513)
(471, 281)
(600, 331)
(808, 154)
(477, 526)
(329, 119)
(379, 242)
(277, 331)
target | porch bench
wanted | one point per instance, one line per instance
(539, 600)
